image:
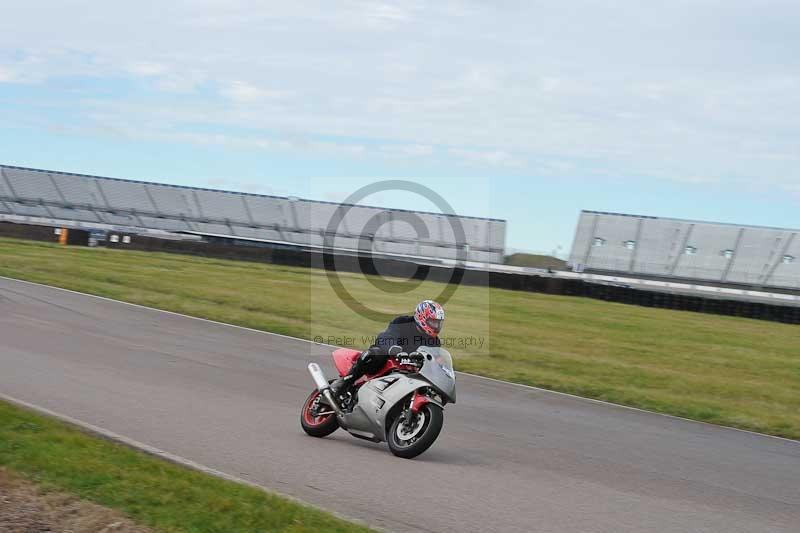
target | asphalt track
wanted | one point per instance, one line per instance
(510, 458)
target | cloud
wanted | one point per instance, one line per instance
(244, 93)
(669, 91)
(166, 78)
(178, 84)
(7, 75)
(407, 150)
(146, 68)
(19, 74)
(488, 157)
(384, 15)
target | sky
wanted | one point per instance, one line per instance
(526, 111)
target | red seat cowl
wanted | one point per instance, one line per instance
(344, 358)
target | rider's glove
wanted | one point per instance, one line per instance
(413, 358)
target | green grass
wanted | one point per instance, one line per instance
(726, 370)
(151, 491)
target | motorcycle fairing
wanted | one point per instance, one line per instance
(376, 399)
(344, 358)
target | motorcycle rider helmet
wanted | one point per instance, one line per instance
(429, 317)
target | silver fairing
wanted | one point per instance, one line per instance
(379, 396)
(438, 370)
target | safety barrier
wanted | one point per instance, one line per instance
(503, 280)
(75, 237)
(29, 232)
(515, 281)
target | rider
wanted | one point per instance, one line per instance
(408, 332)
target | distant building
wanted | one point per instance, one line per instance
(92, 202)
(686, 249)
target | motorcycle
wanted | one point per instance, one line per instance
(401, 404)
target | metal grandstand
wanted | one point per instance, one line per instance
(687, 249)
(46, 197)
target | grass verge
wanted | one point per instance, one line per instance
(152, 492)
(28, 507)
(725, 370)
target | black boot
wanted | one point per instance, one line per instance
(343, 383)
(340, 386)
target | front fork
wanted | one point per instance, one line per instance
(418, 401)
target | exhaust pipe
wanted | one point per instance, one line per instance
(319, 378)
(323, 386)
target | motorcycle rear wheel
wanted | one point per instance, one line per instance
(410, 440)
(317, 426)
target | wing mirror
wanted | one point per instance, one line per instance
(395, 350)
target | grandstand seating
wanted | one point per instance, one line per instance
(174, 201)
(685, 249)
(397, 228)
(29, 210)
(29, 185)
(77, 191)
(213, 229)
(119, 195)
(118, 219)
(152, 206)
(83, 215)
(223, 205)
(268, 211)
(5, 190)
(307, 216)
(258, 233)
(168, 224)
(785, 269)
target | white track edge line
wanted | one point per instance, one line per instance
(532, 387)
(170, 457)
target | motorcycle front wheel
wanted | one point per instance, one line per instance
(409, 438)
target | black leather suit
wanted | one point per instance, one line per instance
(403, 332)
